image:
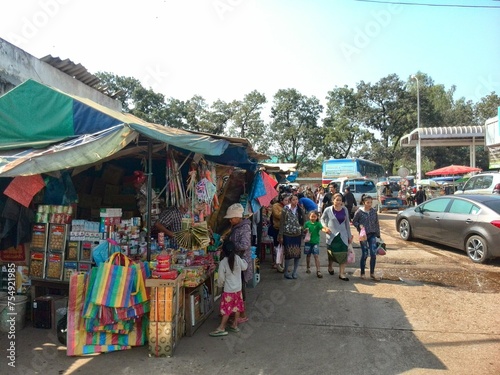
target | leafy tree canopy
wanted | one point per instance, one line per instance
(366, 121)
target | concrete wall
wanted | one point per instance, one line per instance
(17, 66)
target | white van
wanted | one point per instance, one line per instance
(358, 186)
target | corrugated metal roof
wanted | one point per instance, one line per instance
(445, 136)
(80, 73)
(452, 131)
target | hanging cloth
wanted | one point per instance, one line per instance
(22, 189)
(270, 187)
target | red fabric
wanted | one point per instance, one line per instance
(23, 188)
(271, 193)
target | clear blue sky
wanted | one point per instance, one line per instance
(227, 48)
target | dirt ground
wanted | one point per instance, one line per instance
(422, 262)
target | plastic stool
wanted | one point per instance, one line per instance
(266, 247)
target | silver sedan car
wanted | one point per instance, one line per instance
(466, 222)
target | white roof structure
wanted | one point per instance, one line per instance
(445, 136)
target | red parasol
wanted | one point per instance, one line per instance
(452, 170)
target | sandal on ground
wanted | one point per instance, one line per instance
(308, 270)
(343, 278)
(363, 276)
(280, 268)
(243, 320)
(373, 277)
(331, 272)
(318, 273)
(232, 329)
(218, 333)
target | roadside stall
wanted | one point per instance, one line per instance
(99, 168)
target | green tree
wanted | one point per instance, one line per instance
(149, 106)
(176, 113)
(386, 110)
(218, 117)
(294, 128)
(120, 87)
(247, 120)
(487, 108)
(343, 129)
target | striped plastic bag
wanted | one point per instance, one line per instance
(116, 282)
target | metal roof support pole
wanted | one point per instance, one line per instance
(418, 153)
(472, 153)
(149, 197)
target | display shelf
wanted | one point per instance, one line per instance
(194, 318)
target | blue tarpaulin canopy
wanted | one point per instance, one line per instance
(43, 129)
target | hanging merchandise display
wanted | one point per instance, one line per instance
(174, 191)
(195, 237)
(263, 190)
(100, 258)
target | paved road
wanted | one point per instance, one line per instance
(402, 325)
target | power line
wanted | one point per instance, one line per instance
(431, 5)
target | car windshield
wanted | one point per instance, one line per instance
(362, 186)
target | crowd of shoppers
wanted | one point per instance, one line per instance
(296, 219)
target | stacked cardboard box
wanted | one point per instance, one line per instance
(166, 319)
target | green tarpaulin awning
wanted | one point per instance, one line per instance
(43, 129)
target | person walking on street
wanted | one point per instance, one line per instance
(311, 246)
(366, 217)
(274, 228)
(335, 221)
(420, 195)
(349, 201)
(328, 198)
(319, 199)
(290, 234)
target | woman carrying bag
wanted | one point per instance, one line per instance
(335, 221)
(290, 234)
(366, 219)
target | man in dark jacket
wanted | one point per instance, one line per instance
(420, 195)
(349, 201)
(328, 198)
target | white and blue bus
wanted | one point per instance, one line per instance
(354, 167)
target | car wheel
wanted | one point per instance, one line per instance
(476, 249)
(404, 229)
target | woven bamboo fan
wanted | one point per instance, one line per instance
(195, 237)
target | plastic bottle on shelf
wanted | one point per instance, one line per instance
(154, 245)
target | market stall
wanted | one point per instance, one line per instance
(81, 154)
